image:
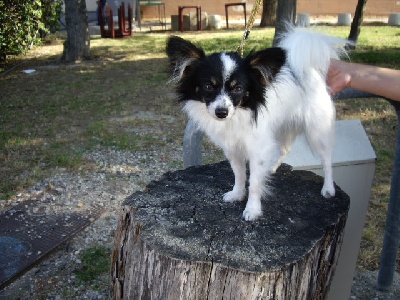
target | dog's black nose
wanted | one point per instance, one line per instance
(221, 112)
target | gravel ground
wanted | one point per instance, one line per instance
(117, 175)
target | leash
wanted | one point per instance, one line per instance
(249, 25)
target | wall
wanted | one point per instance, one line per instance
(312, 7)
(326, 7)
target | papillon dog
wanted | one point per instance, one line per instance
(254, 107)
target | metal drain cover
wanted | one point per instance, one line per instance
(28, 232)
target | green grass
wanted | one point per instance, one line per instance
(94, 262)
(50, 118)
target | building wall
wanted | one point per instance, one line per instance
(312, 7)
(329, 7)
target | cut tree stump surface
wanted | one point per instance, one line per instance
(182, 217)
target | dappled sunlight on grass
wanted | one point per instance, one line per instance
(139, 47)
(19, 142)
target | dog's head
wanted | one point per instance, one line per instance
(223, 81)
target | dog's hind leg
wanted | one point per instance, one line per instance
(282, 154)
(238, 165)
(285, 145)
(321, 139)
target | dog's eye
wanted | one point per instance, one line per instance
(208, 87)
(238, 89)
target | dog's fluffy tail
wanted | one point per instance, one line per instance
(309, 49)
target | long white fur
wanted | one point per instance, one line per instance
(297, 101)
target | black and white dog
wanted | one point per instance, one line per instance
(254, 107)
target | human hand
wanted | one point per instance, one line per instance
(337, 78)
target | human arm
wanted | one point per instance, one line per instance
(375, 80)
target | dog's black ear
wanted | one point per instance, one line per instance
(265, 64)
(183, 55)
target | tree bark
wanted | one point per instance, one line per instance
(268, 16)
(356, 23)
(286, 14)
(77, 44)
(179, 240)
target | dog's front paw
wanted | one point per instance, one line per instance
(251, 214)
(253, 209)
(328, 191)
(233, 196)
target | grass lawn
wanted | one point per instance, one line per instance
(48, 119)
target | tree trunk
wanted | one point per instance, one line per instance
(357, 21)
(77, 45)
(179, 240)
(268, 16)
(286, 13)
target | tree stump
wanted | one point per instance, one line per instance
(179, 240)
